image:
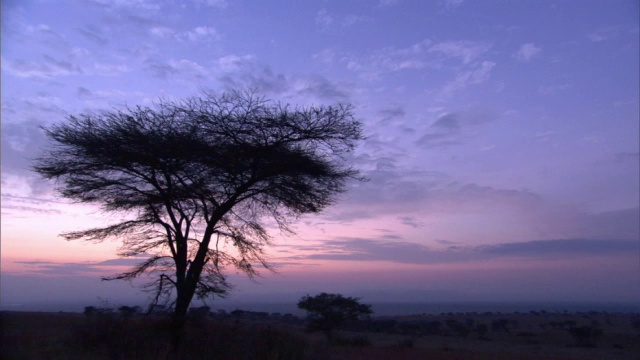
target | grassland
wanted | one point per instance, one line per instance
(247, 335)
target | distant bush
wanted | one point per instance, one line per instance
(326, 312)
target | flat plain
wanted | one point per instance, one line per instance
(251, 335)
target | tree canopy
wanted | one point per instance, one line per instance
(328, 311)
(197, 180)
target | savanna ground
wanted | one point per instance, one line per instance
(247, 335)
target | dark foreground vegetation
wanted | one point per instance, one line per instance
(125, 333)
(114, 336)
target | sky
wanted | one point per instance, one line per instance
(501, 151)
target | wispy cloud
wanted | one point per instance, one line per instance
(324, 21)
(385, 3)
(183, 69)
(388, 115)
(411, 221)
(465, 51)
(466, 78)
(451, 4)
(53, 268)
(326, 56)
(147, 5)
(567, 247)
(44, 34)
(327, 22)
(21, 142)
(110, 69)
(232, 62)
(196, 34)
(244, 72)
(94, 34)
(527, 52)
(604, 34)
(220, 4)
(450, 129)
(202, 33)
(46, 68)
(425, 55)
(364, 249)
(162, 31)
(352, 20)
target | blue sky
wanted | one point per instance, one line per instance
(502, 144)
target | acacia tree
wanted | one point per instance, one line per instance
(328, 311)
(197, 180)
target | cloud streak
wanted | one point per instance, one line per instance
(53, 268)
(371, 250)
(452, 128)
(48, 67)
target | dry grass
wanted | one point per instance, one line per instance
(523, 336)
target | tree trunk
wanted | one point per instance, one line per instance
(183, 300)
(182, 303)
(177, 335)
(186, 288)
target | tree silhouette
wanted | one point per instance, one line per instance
(328, 311)
(197, 179)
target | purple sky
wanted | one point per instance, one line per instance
(502, 139)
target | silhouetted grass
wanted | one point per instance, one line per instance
(251, 335)
(70, 336)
